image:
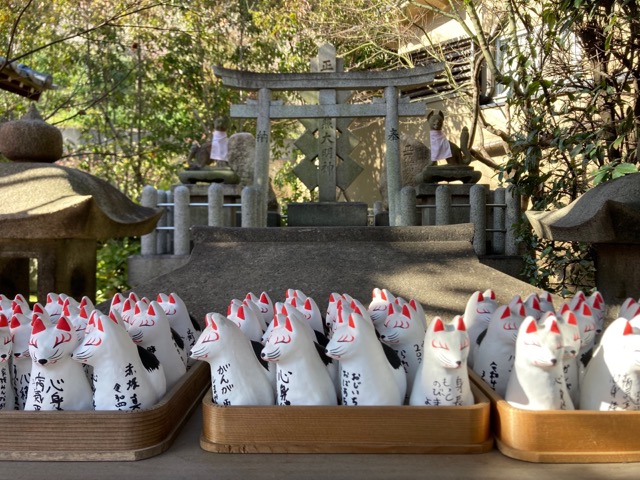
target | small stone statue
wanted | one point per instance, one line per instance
(219, 142)
(443, 149)
(211, 153)
(457, 157)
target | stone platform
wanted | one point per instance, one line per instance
(435, 265)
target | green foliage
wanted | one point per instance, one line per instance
(112, 267)
(136, 81)
(290, 189)
(573, 121)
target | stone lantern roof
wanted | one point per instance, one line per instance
(39, 200)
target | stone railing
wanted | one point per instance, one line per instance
(492, 213)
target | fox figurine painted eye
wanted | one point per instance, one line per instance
(537, 380)
(237, 376)
(57, 382)
(442, 377)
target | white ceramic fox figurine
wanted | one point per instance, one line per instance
(237, 376)
(21, 373)
(302, 376)
(546, 302)
(537, 379)
(599, 309)
(126, 377)
(612, 377)
(587, 326)
(378, 308)
(442, 377)
(265, 304)
(7, 394)
(309, 308)
(532, 307)
(368, 377)
(568, 325)
(476, 317)
(246, 315)
(405, 333)
(57, 382)
(493, 359)
(150, 329)
(180, 320)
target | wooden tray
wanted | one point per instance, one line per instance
(291, 429)
(102, 435)
(560, 436)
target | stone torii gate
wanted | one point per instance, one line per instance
(327, 81)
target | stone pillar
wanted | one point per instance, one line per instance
(216, 205)
(407, 207)
(443, 205)
(162, 235)
(149, 243)
(392, 136)
(250, 210)
(498, 221)
(182, 222)
(512, 215)
(478, 214)
(170, 220)
(263, 145)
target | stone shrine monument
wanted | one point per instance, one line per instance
(329, 81)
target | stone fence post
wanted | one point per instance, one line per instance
(215, 197)
(181, 221)
(443, 205)
(250, 210)
(148, 242)
(512, 215)
(478, 216)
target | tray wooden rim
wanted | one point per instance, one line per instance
(516, 437)
(104, 435)
(221, 426)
